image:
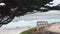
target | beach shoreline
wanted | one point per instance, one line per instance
(15, 31)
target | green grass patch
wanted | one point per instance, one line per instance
(28, 31)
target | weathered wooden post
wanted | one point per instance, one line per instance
(41, 24)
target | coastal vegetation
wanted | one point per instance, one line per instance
(29, 31)
(15, 8)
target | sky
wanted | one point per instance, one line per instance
(55, 2)
(31, 19)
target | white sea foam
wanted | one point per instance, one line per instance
(15, 31)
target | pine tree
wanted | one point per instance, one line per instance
(15, 8)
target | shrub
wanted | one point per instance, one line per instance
(28, 31)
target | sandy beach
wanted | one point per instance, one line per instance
(15, 31)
